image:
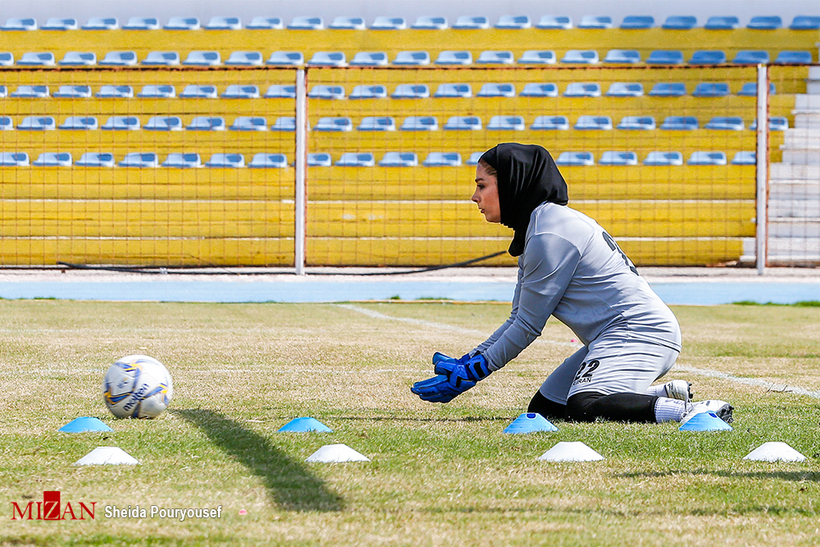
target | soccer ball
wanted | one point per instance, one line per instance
(137, 386)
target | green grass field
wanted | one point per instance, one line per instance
(439, 475)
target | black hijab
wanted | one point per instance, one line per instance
(527, 177)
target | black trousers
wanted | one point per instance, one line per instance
(587, 407)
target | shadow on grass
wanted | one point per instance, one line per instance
(290, 484)
(791, 476)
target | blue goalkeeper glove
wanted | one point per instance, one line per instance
(454, 377)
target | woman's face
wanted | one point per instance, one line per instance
(486, 194)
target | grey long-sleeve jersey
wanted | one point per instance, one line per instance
(572, 269)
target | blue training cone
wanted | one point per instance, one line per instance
(304, 425)
(529, 422)
(81, 425)
(705, 421)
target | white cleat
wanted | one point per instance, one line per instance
(680, 390)
(721, 409)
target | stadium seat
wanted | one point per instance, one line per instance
(463, 123)
(6, 58)
(794, 58)
(328, 58)
(221, 160)
(115, 92)
(183, 23)
(637, 123)
(725, 123)
(638, 22)
(79, 58)
(419, 123)
(581, 56)
(776, 123)
(31, 92)
(411, 91)
(496, 58)
(194, 91)
(356, 159)
(625, 89)
(507, 123)
(366, 91)
(244, 58)
(53, 159)
(805, 22)
(306, 23)
(707, 158)
(140, 159)
(389, 23)
(424, 22)
(14, 159)
(666, 89)
(121, 123)
(550, 123)
(268, 161)
(141, 23)
(474, 157)
(442, 159)
(412, 58)
(765, 22)
(33, 58)
(249, 123)
(593, 123)
(369, 58)
(496, 90)
(719, 22)
(575, 158)
(163, 123)
(73, 92)
(281, 91)
(663, 158)
(665, 57)
(162, 58)
(347, 23)
(399, 159)
(454, 58)
(284, 123)
(206, 123)
(618, 158)
(533, 89)
(96, 159)
(470, 22)
(554, 22)
(595, 22)
(59, 23)
(158, 92)
(101, 23)
(319, 159)
(708, 57)
(679, 123)
(680, 22)
(513, 22)
(334, 124)
(377, 123)
(224, 23)
(119, 58)
(239, 91)
(266, 23)
(711, 89)
(286, 58)
(749, 89)
(203, 58)
(583, 89)
(183, 160)
(624, 56)
(324, 91)
(80, 123)
(537, 57)
(744, 158)
(6, 123)
(461, 91)
(751, 57)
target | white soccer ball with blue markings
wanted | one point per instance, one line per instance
(137, 386)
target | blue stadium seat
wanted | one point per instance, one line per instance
(708, 57)
(162, 58)
(751, 57)
(463, 123)
(658, 158)
(96, 159)
(805, 22)
(665, 57)
(31, 92)
(507, 123)
(794, 58)
(244, 58)
(183, 23)
(680, 123)
(263, 160)
(744, 158)
(334, 124)
(222, 160)
(513, 22)
(581, 56)
(623, 56)
(765, 22)
(145, 160)
(119, 58)
(668, 89)
(3, 91)
(749, 89)
(324, 91)
(115, 92)
(281, 91)
(496, 90)
(575, 159)
(420, 123)
(399, 159)
(472, 22)
(454, 58)
(101, 23)
(496, 58)
(389, 23)
(638, 22)
(266, 23)
(550, 123)
(203, 58)
(473, 158)
(369, 58)
(625, 89)
(53, 159)
(411, 91)
(284, 123)
(680, 22)
(73, 92)
(367, 91)
(776, 123)
(6, 123)
(249, 123)
(348, 23)
(163, 123)
(121, 123)
(554, 22)
(533, 89)
(286, 58)
(306, 23)
(158, 92)
(241, 91)
(611, 157)
(462, 91)
(59, 23)
(412, 58)
(207, 123)
(711, 89)
(224, 23)
(583, 89)
(718, 22)
(425, 22)
(141, 23)
(356, 159)
(593, 123)
(319, 159)
(14, 159)
(377, 123)
(595, 21)
(442, 159)
(183, 160)
(725, 123)
(328, 58)
(79, 58)
(194, 91)
(537, 57)
(637, 123)
(6, 58)
(707, 158)
(36, 58)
